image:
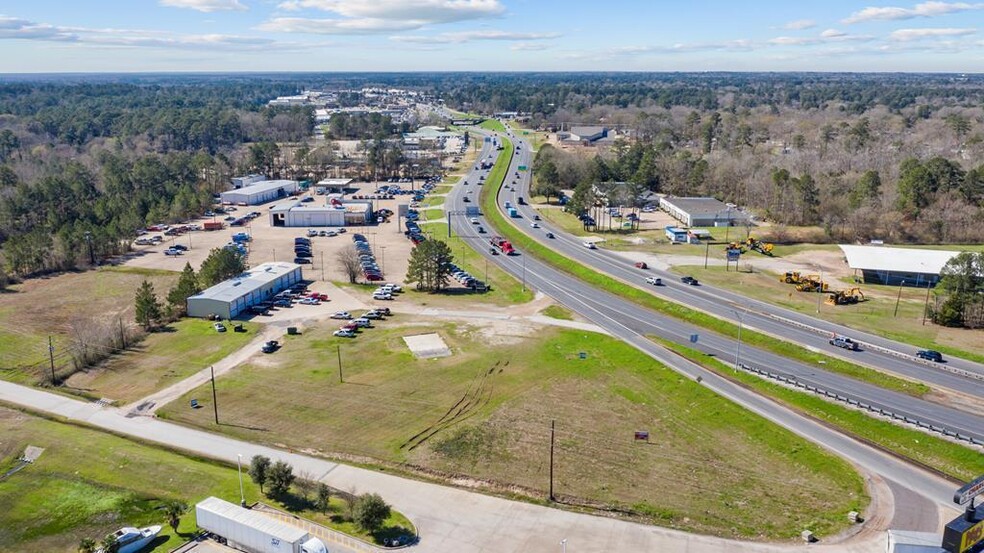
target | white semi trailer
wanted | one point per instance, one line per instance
(253, 532)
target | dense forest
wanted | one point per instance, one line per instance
(87, 160)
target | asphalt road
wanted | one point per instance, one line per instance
(632, 323)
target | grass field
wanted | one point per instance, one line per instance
(441, 190)
(431, 201)
(162, 359)
(40, 307)
(876, 315)
(954, 459)
(558, 312)
(434, 214)
(535, 138)
(88, 483)
(493, 125)
(484, 414)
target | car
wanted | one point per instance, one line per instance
(372, 315)
(341, 315)
(179, 247)
(362, 322)
(930, 355)
(394, 286)
(270, 346)
(655, 281)
(844, 342)
(351, 327)
(689, 280)
(302, 260)
(219, 327)
(283, 302)
(309, 301)
(550, 235)
(382, 311)
(534, 224)
(467, 200)
(590, 245)
(342, 333)
(535, 217)
(493, 251)
(481, 230)
(318, 296)
(381, 295)
(172, 251)
(474, 220)
(303, 253)
(641, 265)
(310, 232)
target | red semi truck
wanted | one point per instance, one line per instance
(502, 244)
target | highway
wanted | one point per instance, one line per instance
(813, 333)
(634, 324)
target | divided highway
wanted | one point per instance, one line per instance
(633, 324)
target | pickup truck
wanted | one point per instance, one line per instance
(844, 342)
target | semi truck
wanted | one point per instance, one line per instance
(513, 212)
(502, 244)
(252, 531)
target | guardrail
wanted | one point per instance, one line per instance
(880, 349)
(793, 381)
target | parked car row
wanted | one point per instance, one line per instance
(311, 233)
(466, 279)
(414, 233)
(296, 294)
(370, 270)
(386, 291)
(352, 328)
(302, 250)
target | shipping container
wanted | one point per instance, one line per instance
(252, 531)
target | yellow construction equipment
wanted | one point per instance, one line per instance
(736, 246)
(845, 297)
(764, 248)
(791, 277)
(811, 283)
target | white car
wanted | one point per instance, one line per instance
(309, 301)
(363, 322)
(382, 296)
(534, 224)
(655, 281)
(474, 220)
(394, 287)
(341, 315)
(312, 232)
(219, 327)
(590, 245)
(342, 333)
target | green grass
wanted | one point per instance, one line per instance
(493, 125)
(431, 201)
(162, 359)
(527, 245)
(88, 483)
(496, 396)
(535, 138)
(876, 315)
(37, 308)
(441, 190)
(951, 458)
(558, 312)
(434, 214)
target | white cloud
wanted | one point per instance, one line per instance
(829, 35)
(800, 24)
(925, 9)
(528, 47)
(434, 11)
(206, 6)
(793, 40)
(470, 36)
(832, 33)
(22, 29)
(906, 35)
(338, 26)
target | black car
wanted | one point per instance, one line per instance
(270, 346)
(302, 260)
(690, 280)
(930, 355)
(303, 254)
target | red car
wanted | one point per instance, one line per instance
(318, 296)
(641, 265)
(351, 327)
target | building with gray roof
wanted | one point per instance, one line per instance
(235, 296)
(703, 212)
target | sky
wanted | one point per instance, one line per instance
(490, 35)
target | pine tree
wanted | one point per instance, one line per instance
(186, 286)
(430, 265)
(147, 306)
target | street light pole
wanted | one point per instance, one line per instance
(898, 299)
(239, 465)
(820, 290)
(741, 322)
(563, 545)
(524, 273)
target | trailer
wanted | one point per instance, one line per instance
(513, 212)
(502, 244)
(253, 532)
(213, 225)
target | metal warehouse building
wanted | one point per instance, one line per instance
(703, 212)
(234, 296)
(897, 266)
(260, 192)
(337, 213)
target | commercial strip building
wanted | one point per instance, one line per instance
(235, 296)
(332, 186)
(703, 212)
(337, 213)
(897, 266)
(260, 192)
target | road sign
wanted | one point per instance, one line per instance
(694, 338)
(734, 255)
(970, 491)
(583, 355)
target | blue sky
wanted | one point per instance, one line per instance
(487, 35)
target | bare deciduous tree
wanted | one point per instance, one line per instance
(348, 260)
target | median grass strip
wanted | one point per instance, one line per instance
(953, 459)
(481, 417)
(89, 483)
(527, 245)
(558, 312)
(493, 125)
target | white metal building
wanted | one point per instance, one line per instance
(260, 192)
(337, 213)
(895, 266)
(235, 296)
(703, 212)
(332, 186)
(239, 182)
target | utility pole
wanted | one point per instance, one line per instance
(741, 321)
(215, 399)
(820, 290)
(322, 265)
(341, 380)
(707, 251)
(926, 306)
(524, 272)
(51, 358)
(122, 332)
(88, 240)
(898, 299)
(552, 425)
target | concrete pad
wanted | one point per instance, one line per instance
(427, 346)
(31, 453)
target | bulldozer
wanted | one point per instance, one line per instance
(764, 248)
(845, 297)
(811, 283)
(791, 277)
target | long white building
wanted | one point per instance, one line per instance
(235, 296)
(260, 192)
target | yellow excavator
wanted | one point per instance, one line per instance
(764, 248)
(845, 297)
